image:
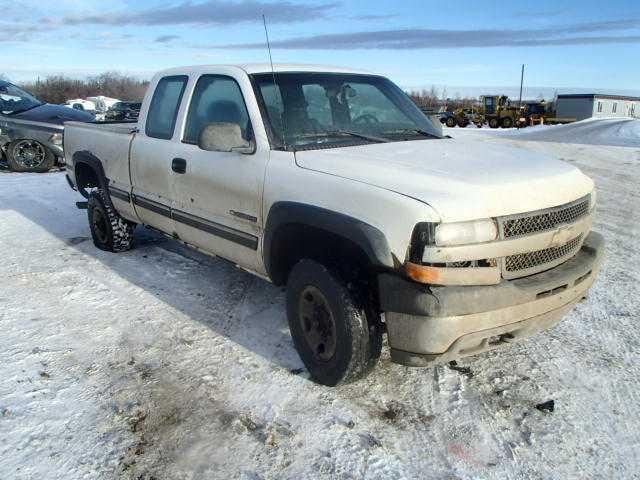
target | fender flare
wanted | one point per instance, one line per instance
(87, 158)
(367, 237)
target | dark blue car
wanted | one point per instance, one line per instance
(31, 131)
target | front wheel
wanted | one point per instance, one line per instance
(28, 155)
(109, 230)
(507, 122)
(451, 122)
(337, 339)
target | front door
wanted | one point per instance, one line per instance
(155, 156)
(219, 198)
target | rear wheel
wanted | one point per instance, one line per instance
(463, 122)
(507, 122)
(29, 155)
(494, 123)
(451, 122)
(337, 338)
(109, 230)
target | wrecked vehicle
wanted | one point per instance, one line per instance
(333, 183)
(121, 111)
(31, 131)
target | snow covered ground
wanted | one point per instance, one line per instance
(620, 132)
(162, 363)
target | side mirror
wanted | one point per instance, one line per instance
(225, 137)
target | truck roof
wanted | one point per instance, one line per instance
(251, 68)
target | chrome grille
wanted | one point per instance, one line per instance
(549, 219)
(526, 261)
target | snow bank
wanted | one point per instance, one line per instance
(621, 132)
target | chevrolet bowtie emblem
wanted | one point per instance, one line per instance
(561, 236)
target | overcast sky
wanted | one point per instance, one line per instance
(461, 44)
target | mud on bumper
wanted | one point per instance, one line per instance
(437, 324)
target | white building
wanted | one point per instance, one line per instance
(583, 106)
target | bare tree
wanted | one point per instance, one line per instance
(426, 99)
(59, 89)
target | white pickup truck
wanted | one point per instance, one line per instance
(333, 183)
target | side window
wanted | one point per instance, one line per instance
(161, 118)
(599, 107)
(615, 107)
(216, 99)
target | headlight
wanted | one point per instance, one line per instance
(56, 139)
(592, 199)
(462, 233)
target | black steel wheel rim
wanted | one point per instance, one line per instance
(317, 323)
(29, 153)
(99, 222)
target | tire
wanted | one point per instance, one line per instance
(507, 122)
(27, 155)
(451, 122)
(463, 122)
(338, 340)
(494, 123)
(110, 232)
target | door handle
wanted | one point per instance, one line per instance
(179, 165)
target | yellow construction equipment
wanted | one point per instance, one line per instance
(498, 111)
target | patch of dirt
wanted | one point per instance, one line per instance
(76, 240)
(466, 371)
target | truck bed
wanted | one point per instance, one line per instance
(108, 142)
(113, 127)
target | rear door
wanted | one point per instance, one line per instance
(155, 155)
(219, 199)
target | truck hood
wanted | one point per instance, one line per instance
(460, 179)
(56, 114)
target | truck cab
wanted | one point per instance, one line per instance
(331, 182)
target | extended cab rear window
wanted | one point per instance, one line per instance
(161, 118)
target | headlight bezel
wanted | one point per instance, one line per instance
(466, 233)
(593, 200)
(56, 139)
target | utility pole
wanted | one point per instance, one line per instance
(520, 99)
(521, 81)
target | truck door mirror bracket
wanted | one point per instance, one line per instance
(225, 137)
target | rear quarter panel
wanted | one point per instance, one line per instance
(109, 143)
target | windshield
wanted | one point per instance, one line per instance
(15, 100)
(322, 110)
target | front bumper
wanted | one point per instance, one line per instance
(436, 324)
(22, 129)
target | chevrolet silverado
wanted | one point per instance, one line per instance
(331, 182)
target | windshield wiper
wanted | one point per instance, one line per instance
(371, 138)
(416, 130)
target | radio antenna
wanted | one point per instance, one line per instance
(275, 84)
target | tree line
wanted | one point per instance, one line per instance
(433, 99)
(58, 89)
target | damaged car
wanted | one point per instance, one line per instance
(31, 130)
